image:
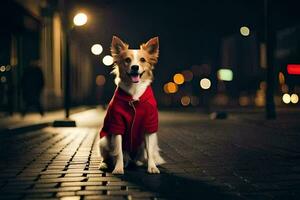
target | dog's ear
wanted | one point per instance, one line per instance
(117, 45)
(152, 46)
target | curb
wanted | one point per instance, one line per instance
(18, 129)
(25, 128)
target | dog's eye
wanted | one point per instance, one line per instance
(143, 59)
(127, 60)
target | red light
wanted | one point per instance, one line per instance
(293, 69)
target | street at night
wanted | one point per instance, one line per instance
(242, 157)
(149, 100)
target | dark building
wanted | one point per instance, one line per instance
(32, 31)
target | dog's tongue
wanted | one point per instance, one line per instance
(135, 79)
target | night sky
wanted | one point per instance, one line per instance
(190, 32)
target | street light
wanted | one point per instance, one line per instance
(79, 19)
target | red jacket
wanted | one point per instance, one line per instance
(131, 118)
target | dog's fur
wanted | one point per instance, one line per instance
(134, 84)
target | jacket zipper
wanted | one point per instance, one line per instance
(132, 105)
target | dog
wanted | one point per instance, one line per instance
(129, 131)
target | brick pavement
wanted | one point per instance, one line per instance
(251, 159)
(206, 159)
(59, 164)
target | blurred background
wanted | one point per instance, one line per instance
(213, 54)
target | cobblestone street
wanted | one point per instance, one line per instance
(238, 158)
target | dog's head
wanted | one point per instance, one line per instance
(134, 65)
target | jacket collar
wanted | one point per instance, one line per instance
(124, 96)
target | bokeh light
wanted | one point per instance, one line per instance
(178, 79)
(260, 98)
(293, 69)
(225, 74)
(2, 68)
(188, 75)
(166, 88)
(80, 19)
(263, 85)
(245, 31)
(294, 98)
(172, 88)
(100, 80)
(281, 78)
(3, 79)
(286, 98)
(96, 49)
(108, 60)
(205, 83)
(185, 100)
(244, 100)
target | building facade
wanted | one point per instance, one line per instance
(32, 30)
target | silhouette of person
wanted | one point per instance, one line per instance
(32, 87)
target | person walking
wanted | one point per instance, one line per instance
(32, 87)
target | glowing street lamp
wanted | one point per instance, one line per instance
(80, 19)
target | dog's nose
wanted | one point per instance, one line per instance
(135, 68)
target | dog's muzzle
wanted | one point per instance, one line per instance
(135, 75)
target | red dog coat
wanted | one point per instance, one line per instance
(131, 118)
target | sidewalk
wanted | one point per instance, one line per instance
(33, 121)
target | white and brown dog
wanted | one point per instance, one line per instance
(130, 126)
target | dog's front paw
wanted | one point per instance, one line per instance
(153, 170)
(103, 166)
(118, 170)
